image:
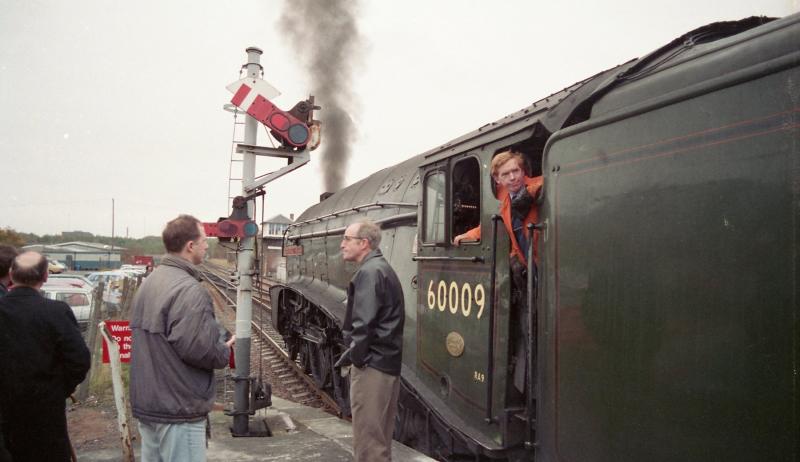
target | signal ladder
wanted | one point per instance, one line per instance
(236, 166)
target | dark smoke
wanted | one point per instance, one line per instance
(325, 34)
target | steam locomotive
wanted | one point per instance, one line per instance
(664, 321)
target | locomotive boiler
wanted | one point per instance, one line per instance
(665, 315)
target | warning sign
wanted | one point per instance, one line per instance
(121, 331)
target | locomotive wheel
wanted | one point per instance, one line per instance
(305, 357)
(341, 393)
(319, 367)
(326, 366)
(293, 348)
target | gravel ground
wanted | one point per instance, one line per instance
(93, 425)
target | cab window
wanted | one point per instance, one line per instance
(466, 195)
(433, 206)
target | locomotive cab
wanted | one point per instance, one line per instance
(472, 342)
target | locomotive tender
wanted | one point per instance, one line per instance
(666, 312)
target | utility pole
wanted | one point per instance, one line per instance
(112, 234)
(244, 293)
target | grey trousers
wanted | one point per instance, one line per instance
(373, 402)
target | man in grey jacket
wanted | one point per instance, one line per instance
(177, 344)
(373, 330)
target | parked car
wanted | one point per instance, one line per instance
(71, 279)
(107, 276)
(55, 267)
(134, 270)
(79, 299)
(113, 284)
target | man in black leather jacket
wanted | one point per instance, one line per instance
(373, 330)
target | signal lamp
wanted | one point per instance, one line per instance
(278, 121)
(227, 229)
(250, 228)
(298, 134)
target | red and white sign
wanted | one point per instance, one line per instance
(121, 331)
(245, 91)
(143, 260)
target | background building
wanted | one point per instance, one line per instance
(273, 265)
(82, 255)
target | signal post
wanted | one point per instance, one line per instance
(244, 292)
(298, 133)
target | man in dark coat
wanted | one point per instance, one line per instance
(44, 358)
(373, 331)
(7, 255)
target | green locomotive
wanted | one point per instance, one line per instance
(665, 316)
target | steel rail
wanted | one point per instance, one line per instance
(268, 334)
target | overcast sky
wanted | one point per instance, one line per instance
(103, 99)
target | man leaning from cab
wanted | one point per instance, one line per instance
(517, 193)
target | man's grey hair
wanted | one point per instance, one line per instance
(371, 232)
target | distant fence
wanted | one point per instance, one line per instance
(103, 311)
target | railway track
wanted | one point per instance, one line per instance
(269, 359)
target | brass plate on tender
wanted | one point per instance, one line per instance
(455, 344)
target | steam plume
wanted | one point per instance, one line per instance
(325, 35)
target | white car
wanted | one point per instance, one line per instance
(112, 291)
(70, 279)
(80, 299)
(135, 269)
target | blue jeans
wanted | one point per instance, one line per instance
(178, 442)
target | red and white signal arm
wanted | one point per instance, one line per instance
(248, 89)
(253, 96)
(231, 228)
(237, 228)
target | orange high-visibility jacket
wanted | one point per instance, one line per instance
(534, 185)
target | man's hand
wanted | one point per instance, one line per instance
(462, 237)
(231, 341)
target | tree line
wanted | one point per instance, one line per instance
(148, 245)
